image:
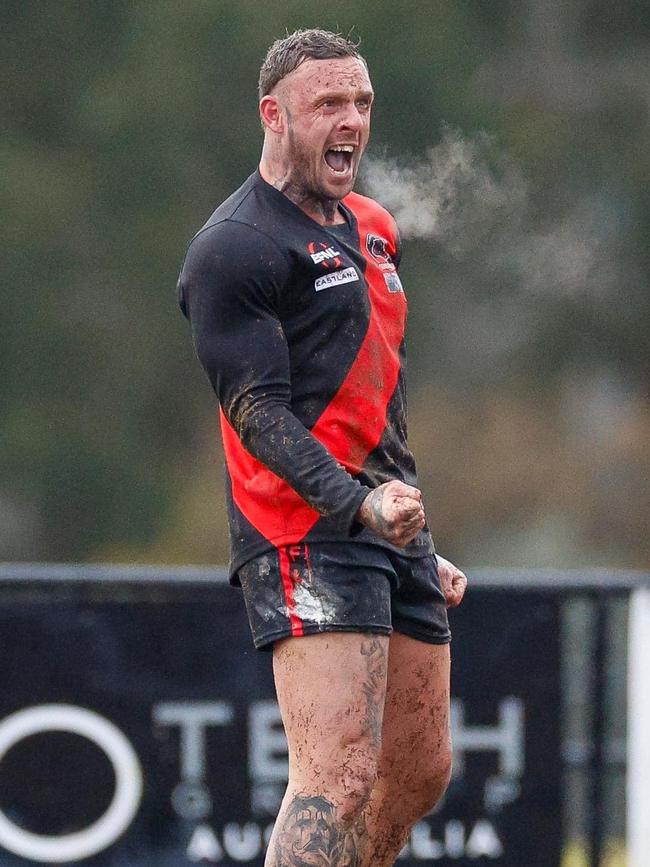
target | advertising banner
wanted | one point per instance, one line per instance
(138, 727)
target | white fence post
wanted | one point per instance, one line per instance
(638, 734)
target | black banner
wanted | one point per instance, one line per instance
(138, 727)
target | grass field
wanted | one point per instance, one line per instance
(576, 854)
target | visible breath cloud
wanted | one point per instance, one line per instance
(459, 185)
(474, 202)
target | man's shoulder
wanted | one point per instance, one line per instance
(240, 206)
(247, 216)
(233, 247)
(368, 210)
(239, 221)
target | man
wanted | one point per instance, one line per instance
(297, 315)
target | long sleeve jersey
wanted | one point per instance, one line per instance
(300, 328)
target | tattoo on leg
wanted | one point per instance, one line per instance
(374, 687)
(311, 836)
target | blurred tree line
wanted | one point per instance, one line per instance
(125, 123)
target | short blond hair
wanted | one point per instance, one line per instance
(288, 53)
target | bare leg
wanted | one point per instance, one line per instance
(415, 760)
(331, 690)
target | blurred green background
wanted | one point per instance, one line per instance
(125, 123)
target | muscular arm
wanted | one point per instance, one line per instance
(230, 287)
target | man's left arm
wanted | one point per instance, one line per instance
(452, 581)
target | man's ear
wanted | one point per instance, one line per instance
(271, 114)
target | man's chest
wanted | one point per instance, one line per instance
(343, 300)
(339, 273)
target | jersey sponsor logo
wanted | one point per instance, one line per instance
(324, 255)
(335, 278)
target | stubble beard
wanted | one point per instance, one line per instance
(299, 186)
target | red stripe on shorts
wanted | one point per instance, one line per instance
(285, 558)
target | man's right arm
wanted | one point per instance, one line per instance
(230, 288)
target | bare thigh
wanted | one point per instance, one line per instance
(415, 735)
(331, 690)
(415, 759)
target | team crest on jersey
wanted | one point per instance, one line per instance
(376, 246)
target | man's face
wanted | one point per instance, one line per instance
(327, 107)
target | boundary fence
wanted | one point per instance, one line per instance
(604, 753)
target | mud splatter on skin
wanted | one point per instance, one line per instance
(414, 765)
(334, 740)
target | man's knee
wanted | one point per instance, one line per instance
(430, 782)
(353, 772)
(355, 792)
(343, 770)
(412, 795)
(438, 776)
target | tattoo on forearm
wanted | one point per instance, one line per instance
(375, 504)
(311, 835)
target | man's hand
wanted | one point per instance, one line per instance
(452, 581)
(394, 511)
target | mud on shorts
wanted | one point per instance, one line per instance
(342, 587)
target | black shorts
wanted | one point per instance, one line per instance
(338, 587)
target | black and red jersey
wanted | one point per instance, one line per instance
(300, 328)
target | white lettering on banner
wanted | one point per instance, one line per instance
(267, 743)
(203, 845)
(267, 771)
(347, 275)
(267, 760)
(244, 842)
(499, 792)
(454, 839)
(191, 798)
(484, 841)
(104, 831)
(506, 738)
(193, 718)
(423, 846)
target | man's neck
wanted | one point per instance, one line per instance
(323, 211)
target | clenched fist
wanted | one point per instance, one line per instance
(452, 581)
(394, 511)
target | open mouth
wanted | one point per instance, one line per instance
(339, 158)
